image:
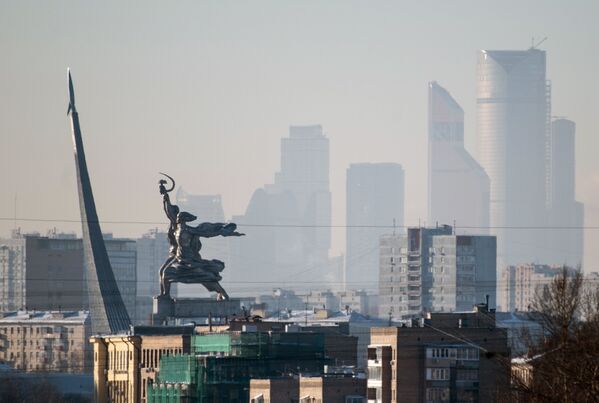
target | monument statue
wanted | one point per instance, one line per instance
(184, 263)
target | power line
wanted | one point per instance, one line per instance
(513, 227)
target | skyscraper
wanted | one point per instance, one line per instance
(305, 174)
(375, 200)
(458, 187)
(513, 116)
(289, 233)
(566, 215)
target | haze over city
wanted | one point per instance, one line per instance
(220, 83)
(282, 201)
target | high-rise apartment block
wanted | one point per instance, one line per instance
(47, 272)
(41, 273)
(513, 113)
(453, 357)
(375, 202)
(433, 270)
(458, 187)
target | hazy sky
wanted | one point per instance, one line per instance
(205, 90)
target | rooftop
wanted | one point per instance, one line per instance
(72, 317)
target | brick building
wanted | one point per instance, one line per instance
(451, 357)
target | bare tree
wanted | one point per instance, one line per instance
(563, 361)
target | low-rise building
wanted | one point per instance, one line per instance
(324, 388)
(124, 364)
(221, 366)
(451, 357)
(355, 301)
(321, 300)
(48, 341)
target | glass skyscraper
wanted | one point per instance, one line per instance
(458, 187)
(513, 115)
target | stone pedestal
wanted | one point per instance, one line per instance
(168, 309)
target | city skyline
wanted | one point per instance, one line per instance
(367, 116)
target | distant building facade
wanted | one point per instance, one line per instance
(514, 117)
(42, 273)
(520, 284)
(122, 253)
(427, 364)
(289, 220)
(433, 270)
(152, 252)
(46, 272)
(46, 341)
(374, 203)
(458, 187)
(565, 244)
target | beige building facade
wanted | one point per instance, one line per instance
(309, 389)
(125, 364)
(48, 341)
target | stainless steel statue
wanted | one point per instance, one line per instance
(184, 263)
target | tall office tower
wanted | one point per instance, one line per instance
(458, 187)
(566, 215)
(305, 174)
(374, 202)
(433, 270)
(152, 251)
(208, 208)
(513, 114)
(289, 235)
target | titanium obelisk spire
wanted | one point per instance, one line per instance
(108, 312)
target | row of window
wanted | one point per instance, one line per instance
(460, 353)
(38, 330)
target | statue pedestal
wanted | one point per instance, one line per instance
(168, 309)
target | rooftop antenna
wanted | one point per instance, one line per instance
(15, 213)
(536, 45)
(394, 226)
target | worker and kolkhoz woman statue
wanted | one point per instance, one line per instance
(184, 263)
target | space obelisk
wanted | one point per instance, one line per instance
(108, 312)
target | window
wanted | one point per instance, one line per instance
(467, 353)
(437, 394)
(375, 373)
(467, 375)
(437, 374)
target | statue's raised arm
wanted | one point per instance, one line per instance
(170, 209)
